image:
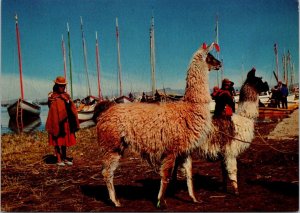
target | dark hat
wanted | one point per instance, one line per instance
(226, 81)
(60, 80)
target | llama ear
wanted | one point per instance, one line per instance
(217, 47)
(251, 73)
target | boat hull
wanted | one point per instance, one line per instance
(86, 112)
(278, 111)
(29, 125)
(28, 109)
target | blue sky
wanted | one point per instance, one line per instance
(247, 32)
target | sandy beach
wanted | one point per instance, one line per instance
(286, 129)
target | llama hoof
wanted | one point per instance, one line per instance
(197, 201)
(117, 203)
(161, 204)
(236, 192)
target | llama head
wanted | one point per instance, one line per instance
(203, 55)
(256, 82)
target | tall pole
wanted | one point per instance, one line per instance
(70, 60)
(20, 57)
(85, 57)
(217, 41)
(64, 56)
(98, 67)
(119, 58)
(276, 57)
(152, 56)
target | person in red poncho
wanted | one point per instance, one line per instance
(62, 121)
(224, 100)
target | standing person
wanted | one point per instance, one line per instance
(62, 121)
(284, 94)
(276, 96)
(224, 100)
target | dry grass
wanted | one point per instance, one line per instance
(30, 184)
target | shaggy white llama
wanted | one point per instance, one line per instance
(231, 137)
(160, 132)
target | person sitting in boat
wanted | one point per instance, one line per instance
(62, 121)
(143, 98)
(224, 100)
(157, 96)
(130, 96)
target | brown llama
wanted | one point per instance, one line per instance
(160, 132)
(231, 137)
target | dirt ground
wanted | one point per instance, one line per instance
(268, 176)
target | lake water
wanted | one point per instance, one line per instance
(8, 126)
(5, 127)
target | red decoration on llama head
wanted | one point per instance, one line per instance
(204, 46)
(217, 47)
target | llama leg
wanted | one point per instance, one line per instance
(175, 170)
(187, 165)
(224, 175)
(109, 166)
(166, 171)
(231, 166)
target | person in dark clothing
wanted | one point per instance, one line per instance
(143, 98)
(224, 100)
(275, 98)
(157, 96)
(284, 93)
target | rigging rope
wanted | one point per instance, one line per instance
(262, 139)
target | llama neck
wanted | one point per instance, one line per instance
(248, 102)
(197, 87)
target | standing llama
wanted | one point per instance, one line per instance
(231, 137)
(160, 132)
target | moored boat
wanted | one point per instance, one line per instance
(23, 108)
(278, 111)
(86, 108)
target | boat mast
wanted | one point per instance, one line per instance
(288, 67)
(217, 41)
(20, 57)
(64, 55)
(152, 56)
(98, 67)
(276, 56)
(119, 58)
(70, 60)
(85, 57)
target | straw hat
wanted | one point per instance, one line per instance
(60, 80)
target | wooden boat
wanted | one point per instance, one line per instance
(86, 108)
(279, 111)
(22, 109)
(123, 99)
